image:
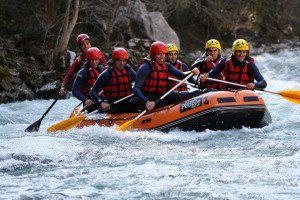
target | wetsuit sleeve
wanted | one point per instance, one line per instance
(81, 78)
(70, 73)
(217, 69)
(101, 81)
(185, 69)
(253, 71)
(175, 72)
(143, 72)
(133, 74)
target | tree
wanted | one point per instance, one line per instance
(57, 20)
(67, 27)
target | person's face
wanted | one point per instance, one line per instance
(213, 52)
(172, 56)
(159, 58)
(94, 63)
(240, 55)
(85, 45)
(120, 63)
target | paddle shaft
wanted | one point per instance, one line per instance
(163, 96)
(67, 85)
(174, 79)
(54, 102)
(122, 99)
(118, 101)
(73, 121)
(36, 125)
(238, 85)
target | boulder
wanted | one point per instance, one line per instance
(136, 22)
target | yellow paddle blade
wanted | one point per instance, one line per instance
(66, 124)
(126, 125)
(291, 95)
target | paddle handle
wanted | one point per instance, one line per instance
(174, 79)
(174, 88)
(122, 99)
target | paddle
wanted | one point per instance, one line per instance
(36, 125)
(128, 124)
(74, 121)
(176, 80)
(290, 95)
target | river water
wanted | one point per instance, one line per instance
(101, 163)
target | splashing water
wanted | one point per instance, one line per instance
(101, 163)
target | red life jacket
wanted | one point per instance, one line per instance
(207, 67)
(147, 58)
(119, 84)
(157, 81)
(238, 74)
(183, 87)
(93, 75)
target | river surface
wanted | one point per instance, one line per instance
(101, 163)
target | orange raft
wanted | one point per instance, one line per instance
(220, 110)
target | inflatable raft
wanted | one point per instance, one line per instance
(220, 110)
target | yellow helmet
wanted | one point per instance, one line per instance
(240, 44)
(171, 47)
(213, 43)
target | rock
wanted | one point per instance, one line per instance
(21, 93)
(136, 22)
(6, 83)
(137, 43)
(5, 78)
(24, 93)
(50, 86)
(48, 90)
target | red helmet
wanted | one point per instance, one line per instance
(120, 53)
(158, 48)
(81, 38)
(93, 53)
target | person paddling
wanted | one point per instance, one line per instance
(239, 68)
(116, 82)
(152, 78)
(86, 78)
(207, 62)
(172, 57)
(83, 42)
